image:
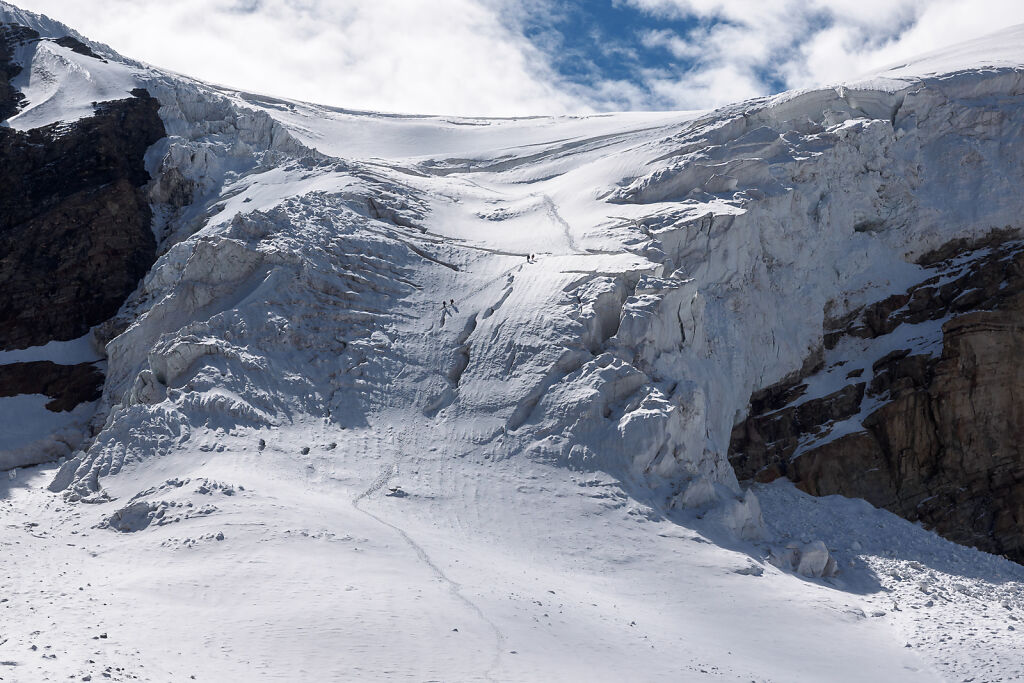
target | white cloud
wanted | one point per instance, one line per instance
(440, 56)
(679, 47)
(470, 56)
(745, 44)
(846, 50)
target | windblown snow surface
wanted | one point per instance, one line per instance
(307, 467)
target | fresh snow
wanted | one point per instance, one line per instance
(1002, 50)
(61, 85)
(81, 350)
(29, 433)
(307, 467)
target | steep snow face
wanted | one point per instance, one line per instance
(63, 73)
(47, 27)
(1002, 50)
(789, 212)
(59, 83)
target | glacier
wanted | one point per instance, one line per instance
(451, 398)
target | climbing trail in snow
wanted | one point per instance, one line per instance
(552, 211)
(456, 590)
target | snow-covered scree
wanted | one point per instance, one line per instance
(470, 383)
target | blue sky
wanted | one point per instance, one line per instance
(587, 42)
(602, 39)
(514, 57)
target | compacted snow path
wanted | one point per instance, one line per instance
(386, 475)
(499, 638)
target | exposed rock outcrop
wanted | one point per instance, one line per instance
(67, 385)
(933, 429)
(75, 237)
(75, 45)
(75, 233)
(11, 36)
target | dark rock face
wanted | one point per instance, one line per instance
(75, 233)
(75, 45)
(67, 385)
(11, 36)
(934, 437)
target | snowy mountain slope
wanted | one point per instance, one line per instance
(1000, 50)
(61, 84)
(530, 482)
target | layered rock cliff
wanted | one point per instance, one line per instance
(914, 404)
(11, 37)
